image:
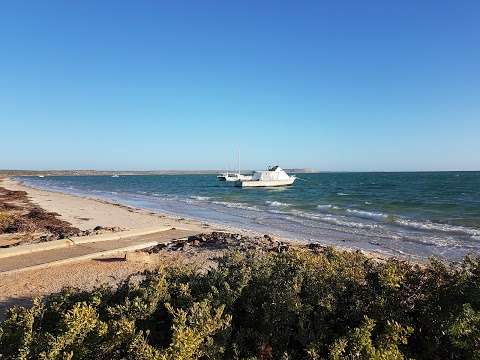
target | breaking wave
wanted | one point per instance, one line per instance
(201, 198)
(445, 228)
(367, 214)
(334, 220)
(236, 205)
(276, 203)
(327, 207)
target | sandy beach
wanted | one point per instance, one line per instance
(86, 213)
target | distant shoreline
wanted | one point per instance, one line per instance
(13, 173)
(129, 173)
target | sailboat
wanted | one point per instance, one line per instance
(234, 176)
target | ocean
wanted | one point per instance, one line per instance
(417, 215)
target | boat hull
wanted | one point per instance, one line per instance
(264, 183)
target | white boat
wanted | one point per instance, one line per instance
(115, 175)
(274, 176)
(233, 177)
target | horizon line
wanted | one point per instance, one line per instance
(199, 171)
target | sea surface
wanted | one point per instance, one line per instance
(416, 215)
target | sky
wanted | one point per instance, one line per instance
(332, 85)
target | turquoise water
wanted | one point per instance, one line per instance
(412, 214)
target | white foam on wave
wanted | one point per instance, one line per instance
(236, 205)
(200, 198)
(342, 194)
(349, 224)
(276, 203)
(327, 207)
(334, 220)
(367, 214)
(440, 241)
(430, 226)
(412, 224)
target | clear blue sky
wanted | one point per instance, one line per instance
(334, 85)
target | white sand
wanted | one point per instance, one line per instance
(86, 213)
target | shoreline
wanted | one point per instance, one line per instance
(303, 214)
(69, 207)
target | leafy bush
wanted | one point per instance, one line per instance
(293, 305)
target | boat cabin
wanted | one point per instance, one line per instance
(273, 173)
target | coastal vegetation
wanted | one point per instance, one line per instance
(297, 303)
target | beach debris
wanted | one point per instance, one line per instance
(316, 247)
(11, 195)
(18, 215)
(221, 241)
(39, 220)
(97, 230)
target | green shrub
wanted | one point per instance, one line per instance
(293, 305)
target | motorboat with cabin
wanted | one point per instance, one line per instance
(273, 176)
